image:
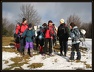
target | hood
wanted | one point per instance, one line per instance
(75, 27)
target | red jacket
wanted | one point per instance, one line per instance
(21, 28)
(49, 32)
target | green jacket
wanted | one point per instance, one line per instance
(29, 35)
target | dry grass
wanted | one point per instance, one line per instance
(36, 65)
(9, 50)
(88, 66)
(7, 40)
(18, 68)
(6, 61)
(16, 59)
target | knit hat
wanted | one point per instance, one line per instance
(29, 25)
(24, 19)
(50, 21)
(62, 20)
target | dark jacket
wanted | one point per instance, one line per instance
(29, 35)
(63, 32)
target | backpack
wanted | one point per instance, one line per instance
(16, 35)
(63, 31)
(41, 35)
(79, 34)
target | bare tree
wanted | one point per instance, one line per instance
(28, 12)
(74, 18)
(10, 29)
(7, 27)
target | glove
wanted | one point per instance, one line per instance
(15, 35)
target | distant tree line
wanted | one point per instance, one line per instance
(32, 16)
(7, 27)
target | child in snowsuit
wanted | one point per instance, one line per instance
(28, 34)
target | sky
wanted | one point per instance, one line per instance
(50, 10)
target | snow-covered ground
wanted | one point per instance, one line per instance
(55, 62)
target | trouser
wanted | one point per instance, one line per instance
(54, 41)
(28, 45)
(37, 42)
(75, 47)
(48, 40)
(41, 42)
(63, 46)
(22, 44)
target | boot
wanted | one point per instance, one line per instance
(72, 55)
(31, 52)
(78, 56)
(61, 54)
(25, 51)
(41, 49)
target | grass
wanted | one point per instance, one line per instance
(7, 40)
(16, 64)
(9, 50)
(6, 61)
(87, 65)
(16, 60)
(36, 65)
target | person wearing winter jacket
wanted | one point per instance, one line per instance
(49, 37)
(63, 34)
(75, 35)
(55, 36)
(40, 36)
(20, 29)
(28, 34)
(17, 37)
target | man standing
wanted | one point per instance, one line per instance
(63, 34)
(49, 33)
(21, 28)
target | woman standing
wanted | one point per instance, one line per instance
(75, 35)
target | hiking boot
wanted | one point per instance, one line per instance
(25, 52)
(50, 54)
(61, 54)
(70, 60)
(65, 55)
(31, 55)
(43, 54)
(31, 52)
(77, 60)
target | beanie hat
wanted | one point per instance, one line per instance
(50, 21)
(62, 20)
(29, 25)
(24, 19)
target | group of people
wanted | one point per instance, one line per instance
(45, 38)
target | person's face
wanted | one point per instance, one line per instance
(60, 23)
(17, 25)
(50, 24)
(70, 27)
(25, 21)
(30, 28)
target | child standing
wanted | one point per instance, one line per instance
(28, 34)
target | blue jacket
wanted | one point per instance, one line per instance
(75, 35)
(29, 35)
